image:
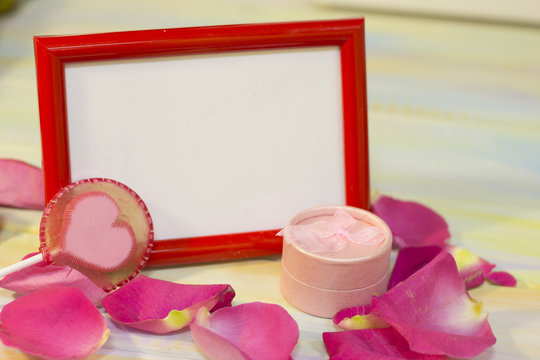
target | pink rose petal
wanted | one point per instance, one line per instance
(473, 269)
(434, 312)
(410, 260)
(501, 278)
(43, 275)
(160, 306)
(412, 224)
(383, 344)
(348, 313)
(358, 317)
(21, 185)
(253, 331)
(474, 280)
(54, 323)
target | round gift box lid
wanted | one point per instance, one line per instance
(354, 267)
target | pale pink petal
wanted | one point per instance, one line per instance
(21, 185)
(54, 323)
(412, 224)
(43, 275)
(434, 312)
(253, 331)
(473, 269)
(160, 306)
(410, 260)
(501, 278)
(381, 344)
(358, 317)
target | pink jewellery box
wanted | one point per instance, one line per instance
(322, 281)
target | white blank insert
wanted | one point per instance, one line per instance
(214, 144)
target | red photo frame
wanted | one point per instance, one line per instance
(59, 57)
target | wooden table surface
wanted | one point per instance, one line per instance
(454, 112)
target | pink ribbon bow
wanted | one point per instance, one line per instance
(335, 234)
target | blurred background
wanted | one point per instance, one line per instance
(453, 96)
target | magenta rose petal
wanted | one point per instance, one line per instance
(54, 323)
(252, 331)
(358, 317)
(410, 260)
(348, 313)
(160, 306)
(434, 312)
(21, 185)
(501, 278)
(43, 275)
(412, 224)
(473, 280)
(384, 344)
(474, 269)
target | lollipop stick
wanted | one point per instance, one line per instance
(21, 265)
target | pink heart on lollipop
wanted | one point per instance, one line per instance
(91, 235)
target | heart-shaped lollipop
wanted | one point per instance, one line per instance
(96, 239)
(99, 227)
